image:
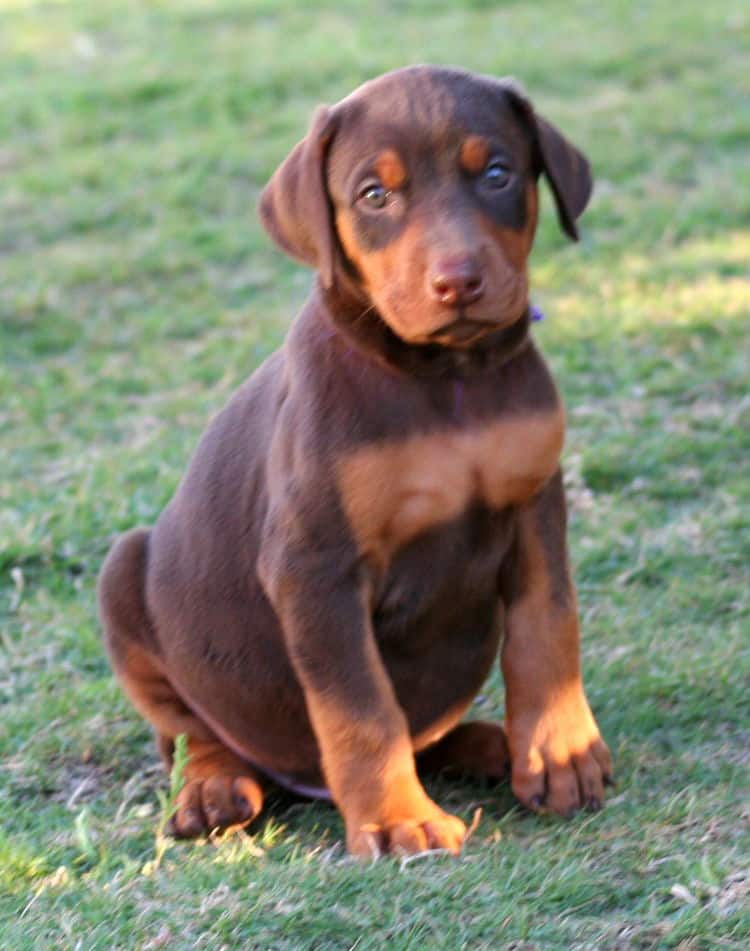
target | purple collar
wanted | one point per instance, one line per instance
(536, 313)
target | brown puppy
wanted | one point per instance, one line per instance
(380, 504)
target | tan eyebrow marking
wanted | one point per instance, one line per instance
(390, 169)
(474, 153)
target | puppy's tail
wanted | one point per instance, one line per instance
(122, 596)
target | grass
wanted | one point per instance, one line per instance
(137, 291)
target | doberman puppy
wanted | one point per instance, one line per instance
(380, 505)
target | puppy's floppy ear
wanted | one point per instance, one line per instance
(294, 206)
(567, 169)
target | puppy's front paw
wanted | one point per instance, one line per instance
(559, 760)
(407, 835)
(216, 802)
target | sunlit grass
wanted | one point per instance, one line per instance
(136, 292)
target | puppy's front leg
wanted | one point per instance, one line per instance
(320, 596)
(558, 757)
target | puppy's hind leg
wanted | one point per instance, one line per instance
(477, 749)
(221, 789)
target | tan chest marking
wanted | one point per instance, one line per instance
(393, 492)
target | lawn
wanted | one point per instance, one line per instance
(136, 292)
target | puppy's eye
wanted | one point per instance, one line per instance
(496, 174)
(374, 195)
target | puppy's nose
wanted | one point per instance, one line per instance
(456, 281)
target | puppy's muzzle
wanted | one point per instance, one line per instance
(456, 282)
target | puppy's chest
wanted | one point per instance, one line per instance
(394, 492)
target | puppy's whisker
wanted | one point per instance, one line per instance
(365, 312)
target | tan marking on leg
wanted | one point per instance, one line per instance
(370, 769)
(221, 789)
(556, 749)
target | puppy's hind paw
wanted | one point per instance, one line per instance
(216, 803)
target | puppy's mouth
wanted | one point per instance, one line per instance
(463, 331)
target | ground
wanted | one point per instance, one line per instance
(137, 291)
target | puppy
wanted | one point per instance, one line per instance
(378, 512)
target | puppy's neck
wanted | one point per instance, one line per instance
(353, 316)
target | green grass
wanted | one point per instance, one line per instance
(137, 291)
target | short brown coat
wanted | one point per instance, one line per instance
(380, 503)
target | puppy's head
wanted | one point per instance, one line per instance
(421, 187)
